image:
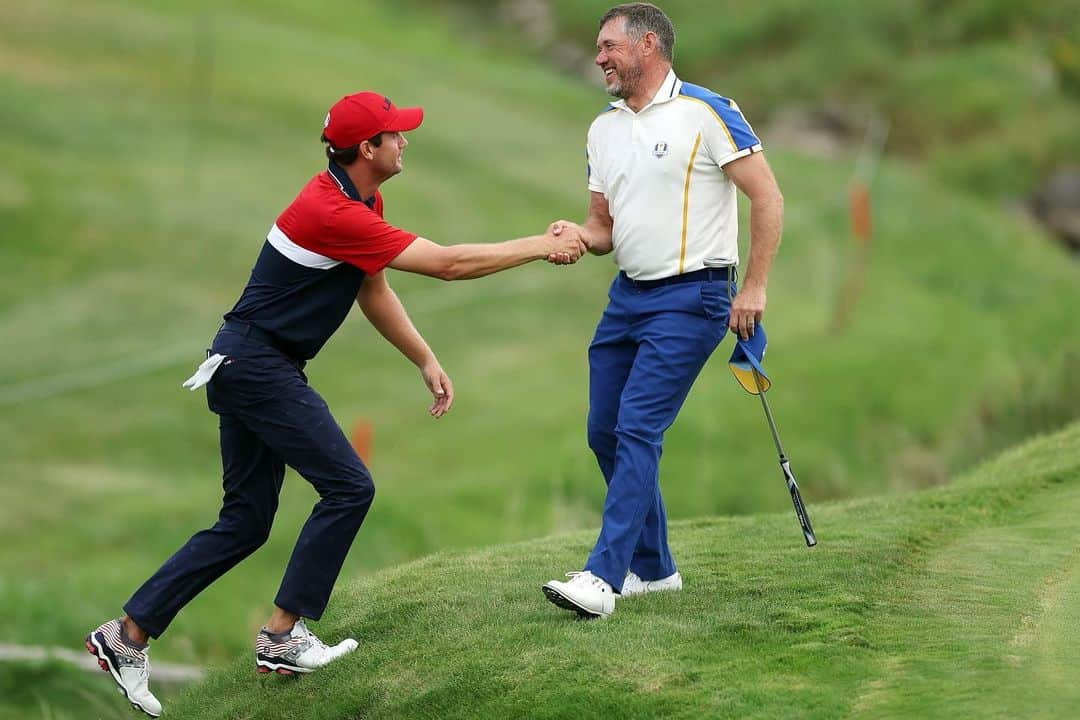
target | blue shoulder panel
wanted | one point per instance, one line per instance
(736, 124)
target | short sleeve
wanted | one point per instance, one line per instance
(592, 174)
(726, 132)
(355, 234)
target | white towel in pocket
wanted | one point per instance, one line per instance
(204, 372)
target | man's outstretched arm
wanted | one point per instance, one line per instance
(473, 260)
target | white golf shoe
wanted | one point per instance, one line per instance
(585, 594)
(634, 585)
(296, 651)
(127, 664)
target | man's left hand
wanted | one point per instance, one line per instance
(746, 310)
(442, 390)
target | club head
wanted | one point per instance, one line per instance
(796, 500)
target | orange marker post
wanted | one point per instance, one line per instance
(362, 435)
(862, 230)
(861, 226)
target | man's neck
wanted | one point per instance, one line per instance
(650, 84)
(365, 184)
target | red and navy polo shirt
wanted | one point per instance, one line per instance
(313, 262)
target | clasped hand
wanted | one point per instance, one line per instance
(567, 242)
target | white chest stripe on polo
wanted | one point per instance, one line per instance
(299, 255)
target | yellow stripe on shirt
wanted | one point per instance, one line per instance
(686, 200)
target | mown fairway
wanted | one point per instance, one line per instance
(148, 147)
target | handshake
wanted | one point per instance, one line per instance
(566, 242)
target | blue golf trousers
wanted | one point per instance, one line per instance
(649, 347)
(269, 417)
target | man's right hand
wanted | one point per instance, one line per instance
(569, 242)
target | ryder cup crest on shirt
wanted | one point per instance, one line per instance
(661, 170)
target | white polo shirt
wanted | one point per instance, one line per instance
(674, 207)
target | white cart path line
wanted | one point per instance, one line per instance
(165, 672)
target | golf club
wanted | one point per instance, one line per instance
(793, 488)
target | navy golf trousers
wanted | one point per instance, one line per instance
(649, 348)
(269, 417)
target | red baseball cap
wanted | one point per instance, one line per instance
(363, 115)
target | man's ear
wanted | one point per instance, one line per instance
(367, 150)
(648, 42)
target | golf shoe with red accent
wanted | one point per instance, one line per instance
(296, 651)
(127, 663)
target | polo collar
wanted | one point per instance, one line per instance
(345, 183)
(668, 91)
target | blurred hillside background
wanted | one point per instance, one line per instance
(147, 147)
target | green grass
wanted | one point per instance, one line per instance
(133, 206)
(955, 602)
(54, 691)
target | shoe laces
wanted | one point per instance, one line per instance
(144, 671)
(586, 576)
(310, 636)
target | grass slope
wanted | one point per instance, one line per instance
(134, 197)
(955, 602)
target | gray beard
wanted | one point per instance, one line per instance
(625, 86)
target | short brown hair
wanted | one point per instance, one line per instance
(642, 17)
(347, 155)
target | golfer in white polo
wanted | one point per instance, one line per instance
(664, 161)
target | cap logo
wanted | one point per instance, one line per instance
(386, 103)
(326, 122)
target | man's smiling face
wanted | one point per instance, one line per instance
(618, 56)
